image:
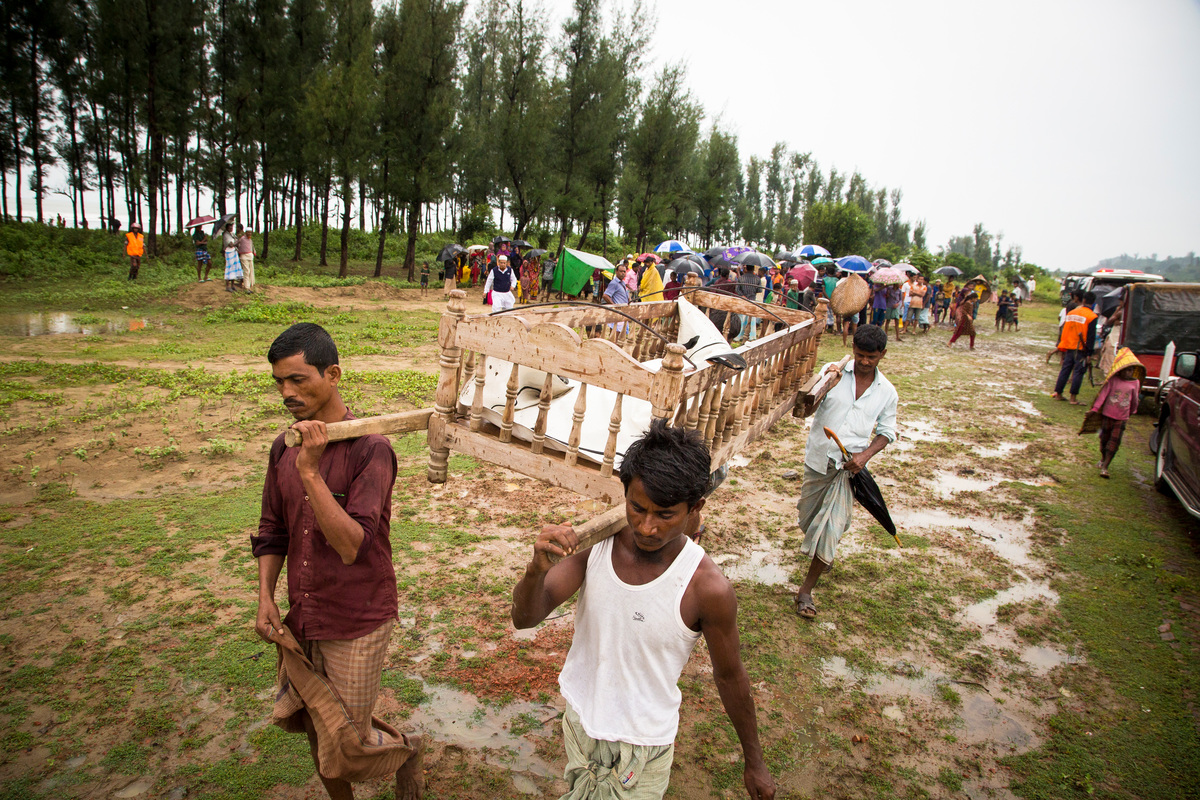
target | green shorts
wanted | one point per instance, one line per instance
(892, 313)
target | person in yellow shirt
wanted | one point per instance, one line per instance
(650, 285)
(134, 248)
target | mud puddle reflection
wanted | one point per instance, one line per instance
(981, 717)
(28, 324)
(1008, 539)
(496, 732)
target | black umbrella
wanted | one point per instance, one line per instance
(713, 252)
(220, 224)
(866, 492)
(450, 251)
(684, 265)
(751, 258)
(520, 243)
(501, 240)
(536, 253)
(948, 270)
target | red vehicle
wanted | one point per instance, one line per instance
(1176, 439)
(1152, 316)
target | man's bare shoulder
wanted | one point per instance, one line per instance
(712, 591)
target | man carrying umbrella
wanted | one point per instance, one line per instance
(203, 259)
(861, 411)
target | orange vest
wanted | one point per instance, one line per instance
(1074, 329)
(133, 244)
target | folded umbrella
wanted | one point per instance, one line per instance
(866, 492)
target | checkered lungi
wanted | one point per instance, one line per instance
(336, 682)
(203, 256)
(233, 265)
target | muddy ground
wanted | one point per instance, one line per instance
(134, 452)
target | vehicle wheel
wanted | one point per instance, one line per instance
(1160, 462)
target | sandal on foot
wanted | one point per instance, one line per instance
(804, 606)
(1056, 396)
(1104, 473)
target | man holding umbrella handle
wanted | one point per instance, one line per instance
(861, 411)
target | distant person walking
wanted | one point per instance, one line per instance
(245, 248)
(500, 282)
(961, 311)
(1075, 342)
(1117, 402)
(135, 247)
(203, 258)
(424, 279)
(233, 264)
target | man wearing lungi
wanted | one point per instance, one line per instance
(326, 510)
(861, 410)
(645, 597)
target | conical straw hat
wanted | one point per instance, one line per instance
(1125, 358)
(850, 296)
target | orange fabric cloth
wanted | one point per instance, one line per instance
(1074, 329)
(133, 244)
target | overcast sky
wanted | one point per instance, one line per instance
(1070, 126)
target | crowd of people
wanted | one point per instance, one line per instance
(915, 305)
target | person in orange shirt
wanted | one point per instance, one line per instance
(134, 248)
(1075, 342)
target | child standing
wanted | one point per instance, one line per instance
(424, 278)
(1116, 403)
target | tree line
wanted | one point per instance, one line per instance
(405, 116)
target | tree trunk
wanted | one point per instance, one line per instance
(383, 229)
(582, 236)
(325, 220)
(344, 264)
(410, 252)
(299, 215)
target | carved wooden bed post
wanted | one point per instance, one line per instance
(447, 389)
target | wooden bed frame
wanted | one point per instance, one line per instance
(597, 346)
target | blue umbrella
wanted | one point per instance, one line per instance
(854, 264)
(811, 250)
(672, 246)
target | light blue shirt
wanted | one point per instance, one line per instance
(856, 422)
(617, 292)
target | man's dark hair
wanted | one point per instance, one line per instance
(1077, 295)
(673, 464)
(723, 272)
(1089, 298)
(308, 338)
(870, 339)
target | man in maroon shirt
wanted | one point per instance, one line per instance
(326, 510)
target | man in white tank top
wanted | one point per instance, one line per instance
(645, 597)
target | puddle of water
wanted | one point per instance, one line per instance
(739, 461)
(1002, 449)
(983, 613)
(591, 506)
(1026, 407)
(1008, 539)
(761, 566)
(1044, 659)
(948, 483)
(981, 717)
(919, 430)
(58, 323)
(459, 719)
